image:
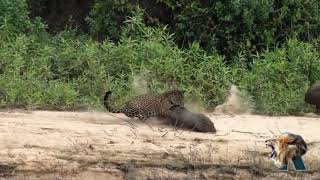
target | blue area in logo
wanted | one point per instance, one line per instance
(298, 165)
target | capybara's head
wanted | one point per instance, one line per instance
(206, 124)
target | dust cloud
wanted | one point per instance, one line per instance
(195, 106)
(236, 103)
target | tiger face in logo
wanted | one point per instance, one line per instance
(287, 146)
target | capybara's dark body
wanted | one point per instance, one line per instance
(183, 118)
(312, 96)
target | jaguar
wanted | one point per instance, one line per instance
(148, 105)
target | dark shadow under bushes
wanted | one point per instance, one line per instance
(69, 71)
(60, 15)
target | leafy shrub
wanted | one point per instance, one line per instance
(60, 95)
(64, 71)
(227, 27)
(248, 26)
(71, 71)
(279, 79)
(14, 14)
(107, 17)
(165, 66)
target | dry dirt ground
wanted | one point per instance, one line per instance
(100, 145)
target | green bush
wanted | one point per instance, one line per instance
(248, 26)
(165, 66)
(62, 66)
(107, 17)
(279, 79)
(68, 71)
(14, 19)
(71, 71)
(14, 15)
(227, 27)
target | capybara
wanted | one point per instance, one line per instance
(181, 117)
(312, 96)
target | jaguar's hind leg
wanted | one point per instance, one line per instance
(142, 117)
(318, 109)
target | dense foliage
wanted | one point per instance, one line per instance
(71, 70)
(224, 26)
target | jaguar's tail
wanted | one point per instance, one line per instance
(107, 105)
